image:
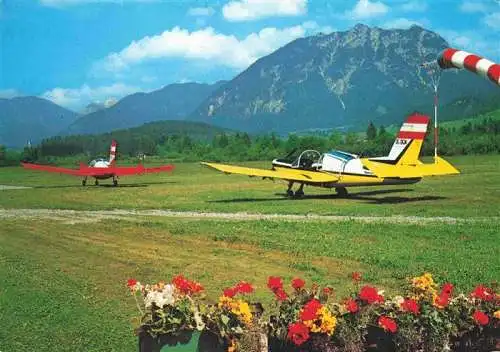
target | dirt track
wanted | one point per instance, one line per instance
(79, 216)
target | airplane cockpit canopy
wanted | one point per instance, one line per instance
(98, 161)
(342, 155)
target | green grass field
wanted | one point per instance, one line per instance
(62, 285)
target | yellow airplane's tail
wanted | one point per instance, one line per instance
(402, 161)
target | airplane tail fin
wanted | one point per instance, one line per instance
(408, 144)
(112, 152)
(402, 161)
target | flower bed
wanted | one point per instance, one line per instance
(426, 317)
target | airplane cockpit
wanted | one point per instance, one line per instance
(99, 162)
(333, 161)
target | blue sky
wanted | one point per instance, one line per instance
(75, 52)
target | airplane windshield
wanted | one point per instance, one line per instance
(341, 155)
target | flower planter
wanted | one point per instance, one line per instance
(185, 342)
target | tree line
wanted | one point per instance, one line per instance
(480, 137)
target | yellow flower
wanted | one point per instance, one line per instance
(325, 322)
(497, 314)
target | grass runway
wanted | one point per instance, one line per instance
(62, 282)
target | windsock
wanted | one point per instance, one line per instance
(453, 58)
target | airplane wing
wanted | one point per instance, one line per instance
(383, 170)
(138, 170)
(54, 169)
(288, 175)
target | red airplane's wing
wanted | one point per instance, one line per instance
(138, 170)
(55, 169)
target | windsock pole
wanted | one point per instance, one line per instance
(436, 134)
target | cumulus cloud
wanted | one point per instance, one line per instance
(206, 45)
(201, 11)
(250, 10)
(472, 6)
(77, 98)
(414, 6)
(493, 21)
(367, 9)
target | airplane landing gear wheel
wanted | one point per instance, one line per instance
(115, 183)
(299, 193)
(342, 192)
(289, 193)
(96, 182)
(84, 182)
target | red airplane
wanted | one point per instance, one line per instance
(101, 169)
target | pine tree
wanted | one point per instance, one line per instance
(371, 132)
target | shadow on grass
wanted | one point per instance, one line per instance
(105, 185)
(366, 196)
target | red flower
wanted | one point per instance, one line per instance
(410, 305)
(186, 286)
(484, 293)
(280, 294)
(370, 295)
(480, 318)
(275, 283)
(351, 305)
(244, 287)
(356, 276)
(131, 283)
(387, 324)
(298, 333)
(298, 283)
(327, 291)
(310, 310)
(447, 289)
(230, 292)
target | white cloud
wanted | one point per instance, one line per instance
(249, 10)
(77, 98)
(205, 45)
(493, 20)
(472, 6)
(201, 11)
(404, 23)
(61, 3)
(414, 6)
(10, 92)
(366, 9)
(471, 41)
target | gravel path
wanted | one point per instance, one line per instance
(79, 216)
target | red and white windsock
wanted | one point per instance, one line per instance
(112, 152)
(453, 58)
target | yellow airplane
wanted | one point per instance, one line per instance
(338, 169)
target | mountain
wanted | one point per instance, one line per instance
(172, 102)
(342, 79)
(24, 119)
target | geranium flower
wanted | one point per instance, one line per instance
(370, 295)
(352, 305)
(186, 286)
(274, 283)
(310, 310)
(410, 305)
(131, 283)
(327, 291)
(298, 283)
(480, 318)
(244, 287)
(298, 333)
(229, 292)
(497, 314)
(483, 293)
(387, 324)
(280, 294)
(356, 276)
